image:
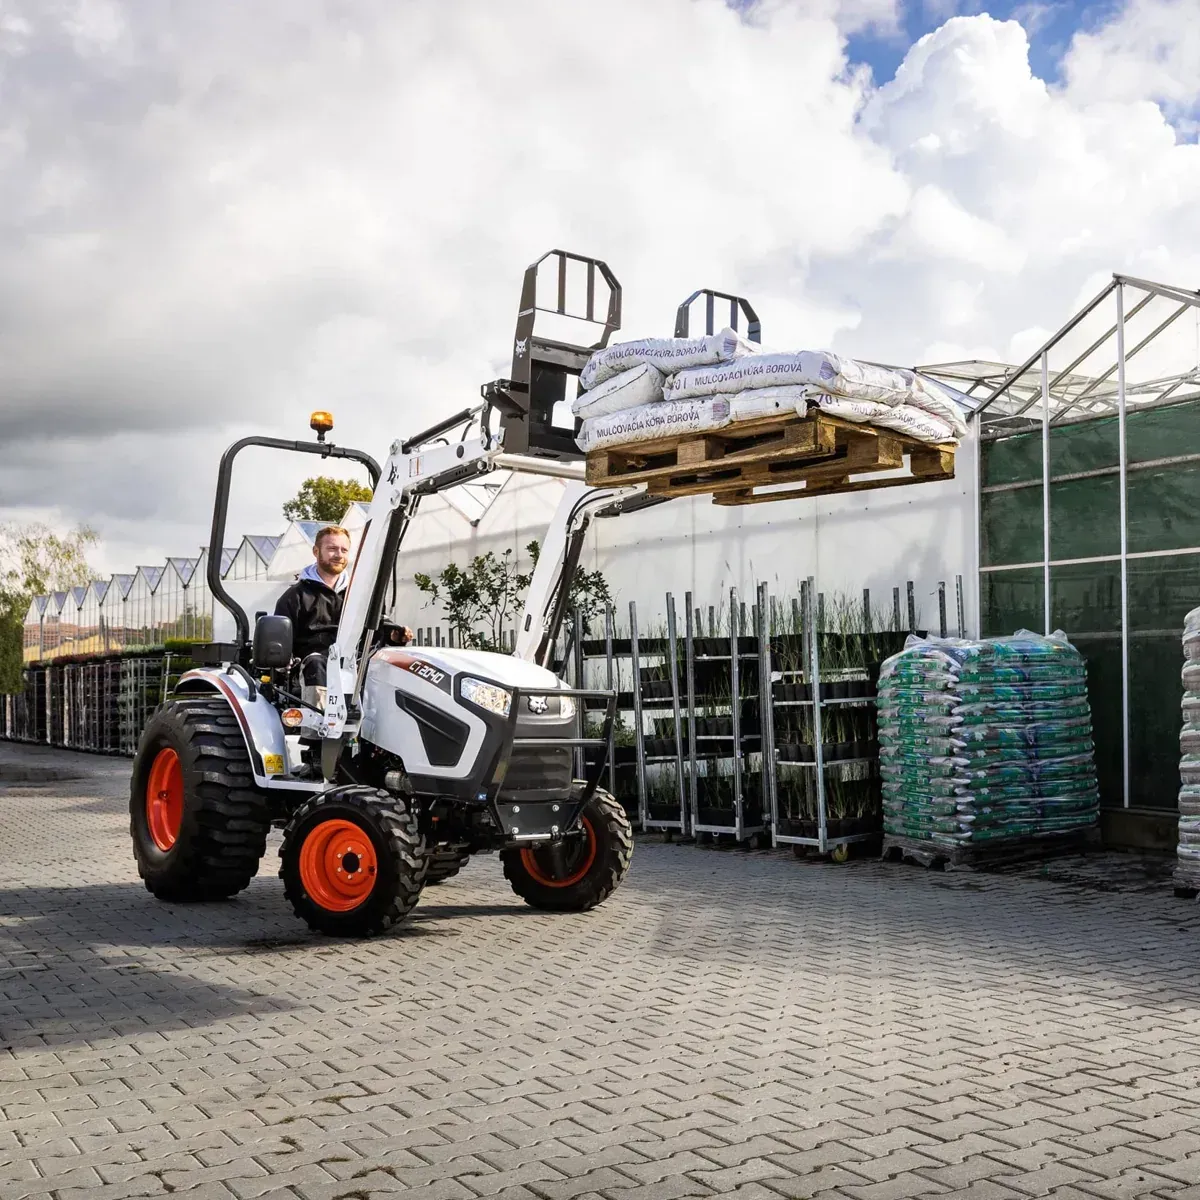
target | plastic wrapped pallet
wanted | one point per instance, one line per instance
(986, 744)
(1187, 866)
(668, 355)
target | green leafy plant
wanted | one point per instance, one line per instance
(323, 498)
(488, 593)
(34, 561)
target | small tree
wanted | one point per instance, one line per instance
(490, 592)
(324, 499)
(487, 593)
(34, 560)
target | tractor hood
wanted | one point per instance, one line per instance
(498, 668)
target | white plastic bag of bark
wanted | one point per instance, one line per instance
(652, 422)
(630, 389)
(1189, 771)
(1191, 636)
(821, 370)
(861, 412)
(768, 402)
(917, 423)
(667, 354)
(940, 400)
(903, 418)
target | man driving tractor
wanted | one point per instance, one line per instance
(314, 606)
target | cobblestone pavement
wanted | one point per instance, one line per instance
(731, 1023)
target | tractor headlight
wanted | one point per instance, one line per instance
(487, 695)
(566, 707)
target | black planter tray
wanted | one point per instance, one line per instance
(596, 647)
(835, 827)
(719, 647)
(831, 752)
(832, 691)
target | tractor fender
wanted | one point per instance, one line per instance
(259, 722)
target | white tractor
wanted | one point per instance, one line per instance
(418, 757)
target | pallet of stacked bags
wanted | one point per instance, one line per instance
(1187, 863)
(720, 415)
(986, 750)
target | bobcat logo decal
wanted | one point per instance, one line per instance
(522, 346)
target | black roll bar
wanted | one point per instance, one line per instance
(216, 541)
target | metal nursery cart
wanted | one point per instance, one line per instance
(688, 754)
(740, 743)
(643, 704)
(810, 641)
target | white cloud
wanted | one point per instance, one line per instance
(1151, 51)
(220, 216)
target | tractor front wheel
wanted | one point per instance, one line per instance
(199, 825)
(588, 869)
(354, 862)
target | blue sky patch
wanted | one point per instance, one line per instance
(1049, 25)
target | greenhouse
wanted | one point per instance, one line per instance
(1068, 510)
(1089, 452)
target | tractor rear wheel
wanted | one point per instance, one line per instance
(354, 861)
(589, 869)
(199, 825)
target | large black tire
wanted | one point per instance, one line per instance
(596, 863)
(204, 798)
(444, 863)
(382, 884)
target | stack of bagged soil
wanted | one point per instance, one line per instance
(986, 743)
(1187, 868)
(667, 387)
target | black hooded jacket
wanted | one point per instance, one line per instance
(314, 609)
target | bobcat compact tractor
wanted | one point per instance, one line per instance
(418, 757)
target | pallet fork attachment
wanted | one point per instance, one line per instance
(543, 367)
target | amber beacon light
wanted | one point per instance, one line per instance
(321, 423)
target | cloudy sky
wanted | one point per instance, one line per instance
(218, 215)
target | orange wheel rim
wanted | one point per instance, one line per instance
(338, 866)
(542, 872)
(164, 798)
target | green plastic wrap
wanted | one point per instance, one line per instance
(986, 742)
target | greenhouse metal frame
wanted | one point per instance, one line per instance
(1088, 463)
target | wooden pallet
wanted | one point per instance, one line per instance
(985, 856)
(734, 465)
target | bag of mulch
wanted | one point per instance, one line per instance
(822, 371)
(651, 422)
(767, 402)
(668, 355)
(942, 401)
(1191, 636)
(916, 423)
(861, 412)
(630, 389)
